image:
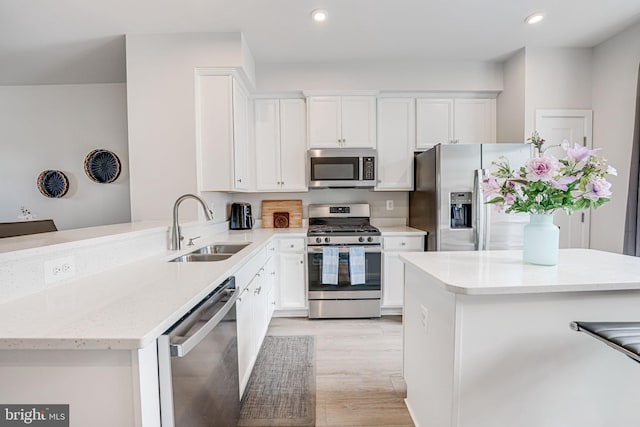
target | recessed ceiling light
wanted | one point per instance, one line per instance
(319, 15)
(534, 19)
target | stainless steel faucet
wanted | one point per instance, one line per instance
(176, 235)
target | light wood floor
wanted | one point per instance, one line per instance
(358, 369)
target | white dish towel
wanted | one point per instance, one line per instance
(330, 259)
(357, 270)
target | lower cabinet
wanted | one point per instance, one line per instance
(254, 309)
(393, 268)
(290, 286)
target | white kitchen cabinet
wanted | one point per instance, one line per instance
(247, 336)
(474, 121)
(222, 133)
(434, 122)
(280, 145)
(342, 121)
(459, 120)
(290, 286)
(396, 142)
(393, 268)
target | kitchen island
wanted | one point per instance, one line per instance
(487, 340)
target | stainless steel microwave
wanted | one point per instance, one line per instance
(342, 167)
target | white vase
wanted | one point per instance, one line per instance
(541, 240)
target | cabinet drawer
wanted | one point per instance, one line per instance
(270, 248)
(403, 243)
(291, 245)
(246, 273)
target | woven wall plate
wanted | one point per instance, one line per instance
(102, 166)
(53, 184)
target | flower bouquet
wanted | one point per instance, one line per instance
(545, 184)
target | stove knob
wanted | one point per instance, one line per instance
(360, 239)
(369, 239)
(318, 240)
(327, 240)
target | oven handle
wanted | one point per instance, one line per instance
(181, 345)
(344, 249)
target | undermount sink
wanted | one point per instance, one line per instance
(216, 252)
(196, 257)
(222, 248)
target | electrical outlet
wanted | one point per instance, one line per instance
(59, 269)
(389, 205)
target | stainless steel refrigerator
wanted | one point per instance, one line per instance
(448, 202)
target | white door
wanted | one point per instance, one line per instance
(324, 122)
(474, 121)
(358, 121)
(396, 139)
(554, 126)
(246, 333)
(293, 146)
(291, 281)
(267, 122)
(393, 280)
(240, 136)
(434, 122)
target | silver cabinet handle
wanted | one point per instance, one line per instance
(403, 244)
(257, 291)
(242, 293)
(301, 262)
(291, 246)
(239, 180)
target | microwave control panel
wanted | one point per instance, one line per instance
(368, 168)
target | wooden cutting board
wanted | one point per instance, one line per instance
(294, 207)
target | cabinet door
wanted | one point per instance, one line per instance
(396, 141)
(474, 121)
(290, 282)
(358, 121)
(240, 137)
(324, 122)
(435, 122)
(214, 133)
(261, 309)
(246, 334)
(270, 280)
(393, 280)
(267, 122)
(293, 146)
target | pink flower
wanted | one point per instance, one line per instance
(562, 182)
(490, 187)
(597, 188)
(509, 198)
(579, 153)
(542, 168)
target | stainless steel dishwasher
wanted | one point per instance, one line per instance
(198, 364)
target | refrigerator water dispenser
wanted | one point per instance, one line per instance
(461, 209)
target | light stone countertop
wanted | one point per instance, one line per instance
(503, 272)
(126, 307)
(400, 230)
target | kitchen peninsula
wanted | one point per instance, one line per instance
(487, 339)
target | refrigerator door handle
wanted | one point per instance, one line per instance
(479, 211)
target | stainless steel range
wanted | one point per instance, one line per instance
(344, 259)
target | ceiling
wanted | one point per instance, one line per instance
(81, 41)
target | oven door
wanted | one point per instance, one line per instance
(344, 289)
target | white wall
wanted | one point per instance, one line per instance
(615, 76)
(55, 127)
(380, 75)
(511, 101)
(161, 108)
(556, 78)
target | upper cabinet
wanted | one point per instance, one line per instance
(280, 145)
(222, 133)
(396, 142)
(342, 121)
(459, 120)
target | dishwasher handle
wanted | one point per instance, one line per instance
(197, 324)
